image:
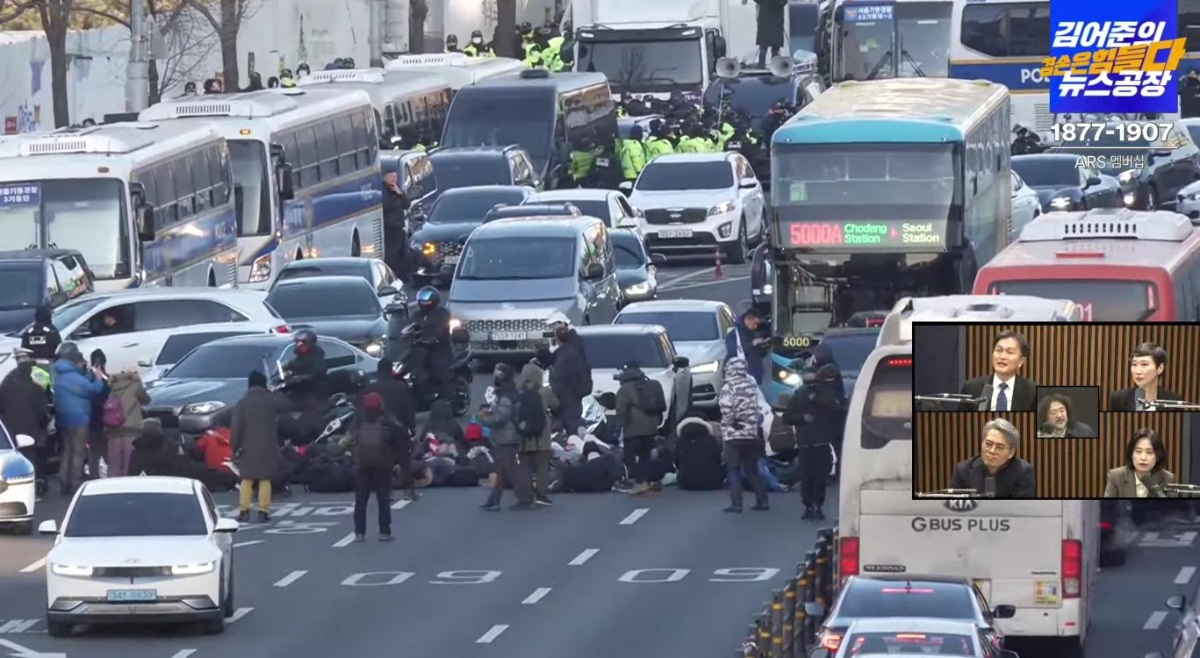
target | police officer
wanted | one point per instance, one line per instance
(477, 47)
(581, 163)
(435, 339)
(1026, 142)
(660, 140)
(189, 89)
(286, 79)
(552, 52)
(566, 51)
(452, 44)
(633, 154)
(777, 116)
(42, 338)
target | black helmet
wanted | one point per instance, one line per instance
(428, 297)
(526, 27)
(285, 73)
(477, 34)
(305, 336)
(452, 40)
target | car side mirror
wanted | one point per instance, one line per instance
(388, 291)
(144, 214)
(1005, 612)
(1177, 603)
(814, 609)
(227, 525)
(1092, 181)
(626, 188)
(24, 441)
(719, 46)
(748, 183)
(593, 271)
(145, 364)
(819, 652)
(658, 259)
(285, 180)
(48, 527)
(681, 362)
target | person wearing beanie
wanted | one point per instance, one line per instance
(254, 438)
(377, 442)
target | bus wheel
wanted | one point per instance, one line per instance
(355, 247)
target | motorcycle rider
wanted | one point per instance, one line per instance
(1026, 142)
(305, 373)
(434, 337)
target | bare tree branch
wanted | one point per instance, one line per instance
(11, 10)
(116, 18)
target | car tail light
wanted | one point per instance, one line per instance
(1105, 525)
(1072, 568)
(283, 329)
(831, 641)
(848, 557)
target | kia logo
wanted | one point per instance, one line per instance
(961, 504)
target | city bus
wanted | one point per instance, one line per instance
(305, 170)
(876, 39)
(458, 69)
(1119, 265)
(405, 101)
(146, 204)
(883, 189)
(1005, 41)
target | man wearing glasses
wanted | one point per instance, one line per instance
(1005, 389)
(997, 472)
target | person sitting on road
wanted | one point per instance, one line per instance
(698, 456)
(396, 394)
(154, 453)
(443, 428)
(597, 471)
(215, 448)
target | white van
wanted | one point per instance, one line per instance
(1038, 555)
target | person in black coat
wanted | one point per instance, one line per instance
(395, 215)
(42, 338)
(1056, 419)
(571, 377)
(24, 409)
(817, 412)
(998, 467)
(1146, 367)
(698, 456)
(398, 403)
(769, 28)
(1005, 389)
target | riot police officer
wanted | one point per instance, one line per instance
(41, 338)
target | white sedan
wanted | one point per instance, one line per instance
(697, 328)
(18, 490)
(140, 549)
(609, 205)
(1188, 202)
(871, 638)
(609, 347)
(1025, 206)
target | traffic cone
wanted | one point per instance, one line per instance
(718, 273)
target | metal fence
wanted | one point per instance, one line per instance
(784, 629)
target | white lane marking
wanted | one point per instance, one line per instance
(634, 516)
(35, 566)
(18, 650)
(344, 541)
(493, 633)
(538, 594)
(184, 653)
(290, 578)
(731, 279)
(1185, 575)
(670, 282)
(249, 543)
(238, 614)
(583, 557)
(401, 504)
(1156, 619)
(15, 626)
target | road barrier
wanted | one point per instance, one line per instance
(783, 629)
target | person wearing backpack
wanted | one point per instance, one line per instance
(641, 404)
(538, 407)
(378, 442)
(123, 418)
(501, 417)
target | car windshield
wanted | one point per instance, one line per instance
(1047, 172)
(306, 271)
(873, 600)
(468, 171)
(498, 116)
(179, 345)
(1100, 300)
(66, 315)
(672, 176)
(611, 351)
(681, 326)
(644, 67)
(22, 286)
(941, 644)
(217, 361)
(500, 259)
(467, 205)
(87, 214)
(591, 208)
(850, 351)
(137, 515)
(314, 299)
(250, 172)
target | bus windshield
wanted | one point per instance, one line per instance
(866, 181)
(493, 116)
(87, 214)
(1101, 300)
(249, 161)
(908, 40)
(644, 67)
(803, 19)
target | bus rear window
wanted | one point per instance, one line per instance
(887, 413)
(1100, 300)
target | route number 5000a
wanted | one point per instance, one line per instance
(799, 342)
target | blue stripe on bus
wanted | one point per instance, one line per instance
(261, 250)
(191, 241)
(333, 204)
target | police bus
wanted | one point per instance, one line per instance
(548, 114)
(458, 69)
(894, 39)
(1038, 555)
(1119, 265)
(882, 189)
(146, 205)
(306, 172)
(405, 102)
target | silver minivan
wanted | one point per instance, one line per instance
(515, 273)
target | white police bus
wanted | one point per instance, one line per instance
(458, 69)
(146, 205)
(1042, 559)
(405, 101)
(305, 168)
(892, 39)
(1005, 41)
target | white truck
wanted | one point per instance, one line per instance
(664, 46)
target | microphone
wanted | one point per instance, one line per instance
(1140, 403)
(1046, 431)
(989, 487)
(986, 405)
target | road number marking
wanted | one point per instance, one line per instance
(743, 575)
(300, 528)
(465, 577)
(386, 578)
(636, 576)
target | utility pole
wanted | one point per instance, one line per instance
(378, 21)
(137, 74)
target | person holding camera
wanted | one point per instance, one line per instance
(748, 341)
(741, 428)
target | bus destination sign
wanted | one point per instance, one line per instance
(866, 234)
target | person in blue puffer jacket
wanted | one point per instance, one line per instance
(75, 386)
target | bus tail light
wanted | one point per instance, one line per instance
(1072, 568)
(848, 558)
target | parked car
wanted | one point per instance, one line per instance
(697, 329)
(39, 277)
(373, 270)
(1062, 185)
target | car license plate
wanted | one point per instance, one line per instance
(508, 335)
(132, 595)
(676, 233)
(450, 260)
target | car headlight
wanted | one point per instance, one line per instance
(71, 570)
(789, 378)
(374, 348)
(203, 408)
(455, 323)
(705, 368)
(768, 289)
(722, 208)
(428, 249)
(638, 289)
(193, 569)
(1061, 203)
(1129, 176)
(1130, 199)
(260, 269)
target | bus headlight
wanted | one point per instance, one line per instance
(1061, 203)
(260, 269)
(788, 378)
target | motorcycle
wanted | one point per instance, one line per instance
(408, 357)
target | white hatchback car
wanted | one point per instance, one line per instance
(609, 205)
(609, 347)
(137, 550)
(18, 490)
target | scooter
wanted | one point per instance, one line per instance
(408, 357)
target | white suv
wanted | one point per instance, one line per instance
(701, 202)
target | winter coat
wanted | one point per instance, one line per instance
(770, 23)
(698, 456)
(816, 409)
(254, 435)
(754, 355)
(385, 454)
(739, 404)
(630, 417)
(571, 376)
(216, 448)
(74, 391)
(153, 454)
(501, 418)
(23, 405)
(442, 425)
(531, 378)
(397, 398)
(129, 390)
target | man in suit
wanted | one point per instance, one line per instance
(1009, 475)
(1146, 367)
(1004, 389)
(1056, 419)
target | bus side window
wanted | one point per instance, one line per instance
(216, 172)
(347, 145)
(182, 172)
(328, 150)
(308, 160)
(370, 140)
(165, 212)
(201, 179)
(146, 178)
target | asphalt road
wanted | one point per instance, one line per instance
(596, 576)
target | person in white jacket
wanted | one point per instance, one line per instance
(741, 429)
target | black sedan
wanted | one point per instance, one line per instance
(1150, 174)
(1063, 183)
(636, 269)
(526, 210)
(344, 307)
(201, 390)
(438, 237)
(372, 270)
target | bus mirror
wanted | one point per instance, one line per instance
(287, 190)
(239, 200)
(719, 46)
(145, 221)
(277, 153)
